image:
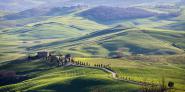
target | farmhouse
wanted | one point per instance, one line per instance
(42, 54)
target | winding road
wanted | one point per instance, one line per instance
(114, 75)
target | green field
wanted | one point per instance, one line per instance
(44, 77)
(151, 48)
(127, 41)
(66, 79)
(145, 70)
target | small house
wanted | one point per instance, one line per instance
(42, 54)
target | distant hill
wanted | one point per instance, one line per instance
(107, 14)
(43, 11)
(117, 3)
(176, 26)
(21, 5)
(81, 30)
(18, 5)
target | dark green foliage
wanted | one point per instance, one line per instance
(170, 84)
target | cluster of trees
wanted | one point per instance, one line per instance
(149, 85)
(102, 66)
(81, 63)
(161, 88)
(88, 64)
(123, 77)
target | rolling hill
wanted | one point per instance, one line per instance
(3, 13)
(122, 40)
(118, 3)
(44, 77)
(43, 11)
(108, 14)
(67, 79)
(176, 26)
(15, 40)
(141, 43)
(18, 5)
(85, 35)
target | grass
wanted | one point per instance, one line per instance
(42, 30)
(176, 26)
(78, 22)
(66, 79)
(55, 33)
(3, 13)
(182, 15)
(140, 40)
(9, 47)
(82, 37)
(144, 70)
(52, 78)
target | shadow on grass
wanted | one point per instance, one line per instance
(24, 67)
(75, 85)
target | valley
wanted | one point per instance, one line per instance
(142, 42)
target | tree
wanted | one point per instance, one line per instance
(68, 57)
(170, 84)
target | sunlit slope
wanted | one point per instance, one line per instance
(50, 30)
(147, 68)
(57, 27)
(2, 13)
(65, 79)
(125, 40)
(9, 47)
(80, 36)
(182, 14)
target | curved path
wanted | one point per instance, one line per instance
(114, 74)
(104, 69)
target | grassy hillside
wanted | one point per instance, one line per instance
(80, 36)
(109, 15)
(44, 31)
(20, 22)
(127, 41)
(45, 77)
(181, 17)
(65, 79)
(176, 26)
(152, 46)
(150, 69)
(2, 13)
(43, 11)
(84, 37)
(9, 47)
